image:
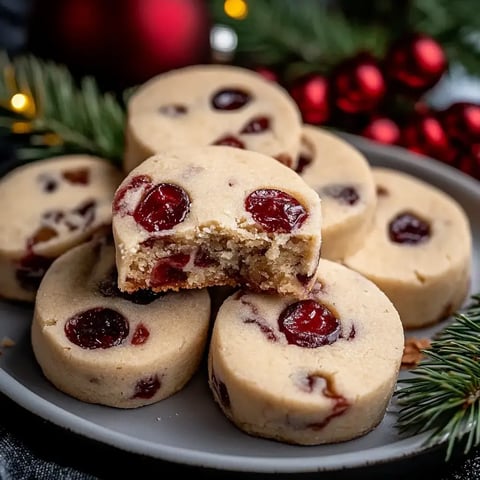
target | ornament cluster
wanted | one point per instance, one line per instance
(383, 99)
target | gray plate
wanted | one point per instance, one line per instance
(188, 428)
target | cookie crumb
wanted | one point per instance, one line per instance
(412, 352)
(7, 342)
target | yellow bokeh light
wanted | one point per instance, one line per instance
(21, 127)
(20, 102)
(237, 9)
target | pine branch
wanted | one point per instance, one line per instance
(442, 394)
(60, 116)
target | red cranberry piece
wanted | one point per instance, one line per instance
(79, 176)
(163, 206)
(221, 391)
(309, 324)
(230, 141)
(169, 270)
(406, 227)
(230, 99)
(173, 110)
(256, 125)
(345, 194)
(275, 211)
(97, 328)
(140, 181)
(203, 259)
(147, 387)
(140, 335)
(303, 162)
(31, 270)
(43, 234)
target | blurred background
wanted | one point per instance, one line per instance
(399, 72)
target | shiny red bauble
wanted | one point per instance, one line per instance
(468, 160)
(383, 130)
(415, 63)
(311, 93)
(358, 84)
(461, 121)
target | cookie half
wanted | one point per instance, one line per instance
(418, 250)
(212, 105)
(101, 346)
(212, 216)
(342, 177)
(53, 205)
(315, 371)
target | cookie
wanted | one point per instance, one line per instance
(315, 371)
(216, 215)
(212, 104)
(418, 250)
(53, 205)
(342, 177)
(101, 346)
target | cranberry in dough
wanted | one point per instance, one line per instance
(212, 216)
(313, 371)
(53, 205)
(212, 104)
(419, 249)
(342, 177)
(102, 346)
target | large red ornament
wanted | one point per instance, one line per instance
(415, 63)
(461, 121)
(123, 42)
(311, 94)
(382, 130)
(358, 85)
(468, 160)
(424, 134)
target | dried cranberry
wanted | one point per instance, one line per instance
(309, 324)
(203, 259)
(275, 211)
(163, 206)
(79, 176)
(173, 110)
(31, 269)
(230, 99)
(140, 181)
(303, 162)
(345, 194)
(169, 270)
(147, 387)
(229, 141)
(43, 234)
(406, 227)
(140, 335)
(97, 328)
(221, 391)
(256, 125)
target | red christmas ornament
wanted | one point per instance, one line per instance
(311, 95)
(468, 161)
(415, 63)
(461, 121)
(358, 84)
(124, 42)
(425, 135)
(382, 130)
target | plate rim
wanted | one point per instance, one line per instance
(409, 446)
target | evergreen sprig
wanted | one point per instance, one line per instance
(441, 395)
(63, 115)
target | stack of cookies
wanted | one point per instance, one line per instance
(269, 247)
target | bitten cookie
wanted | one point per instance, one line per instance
(419, 249)
(53, 205)
(212, 216)
(212, 104)
(315, 371)
(342, 177)
(101, 346)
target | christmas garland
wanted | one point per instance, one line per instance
(41, 103)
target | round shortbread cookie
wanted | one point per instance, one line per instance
(212, 104)
(101, 346)
(309, 372)
(342, 177)
(216, 215)
(419, 249)
(53, 205)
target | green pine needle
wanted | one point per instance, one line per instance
(442, 394)
(81, 118)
